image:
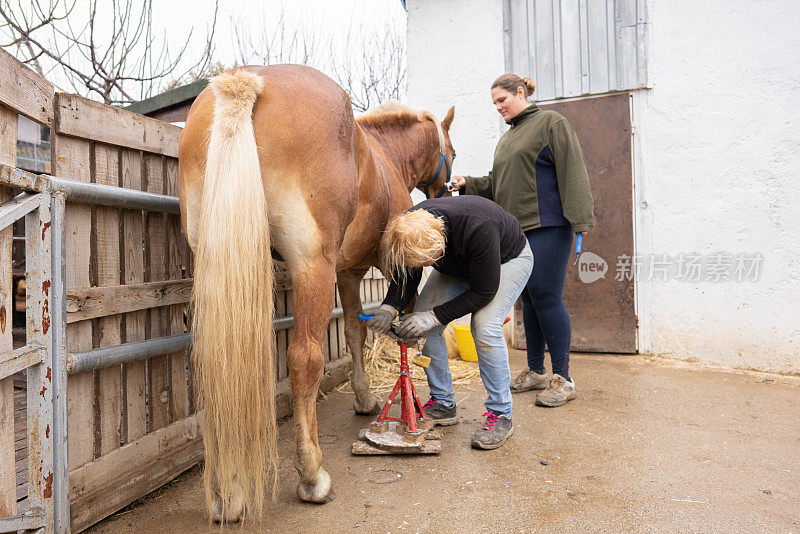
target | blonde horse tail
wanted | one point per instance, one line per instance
(233, 309)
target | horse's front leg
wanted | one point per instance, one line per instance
(355, 332)
(313, 301)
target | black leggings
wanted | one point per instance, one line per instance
(545, 317)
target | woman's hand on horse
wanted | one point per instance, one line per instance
(416, 324)
(458, 182)
(381, 320)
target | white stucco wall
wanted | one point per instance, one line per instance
(716, 152)
(720, 132)
(455, 52)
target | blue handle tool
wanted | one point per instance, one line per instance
(365, 317)
(578, 243)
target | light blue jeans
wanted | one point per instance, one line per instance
(487, 330)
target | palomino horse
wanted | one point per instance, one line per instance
(272, 163)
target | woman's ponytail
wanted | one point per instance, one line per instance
(512, 82)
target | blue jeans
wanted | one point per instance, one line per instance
(545, 317)
(487, 330)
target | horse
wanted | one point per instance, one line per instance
(275, 169)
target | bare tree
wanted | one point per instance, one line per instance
(129, 64)
(280, 45)
(372, 67)
(369, 61)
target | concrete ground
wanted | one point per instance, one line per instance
(648, 446)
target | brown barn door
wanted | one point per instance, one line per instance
(599, 289)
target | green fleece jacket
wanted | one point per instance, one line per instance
(539, 173)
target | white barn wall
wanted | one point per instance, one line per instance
(455, 52)
(720, 174)
(716, 159)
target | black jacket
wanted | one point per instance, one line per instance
(480, 236)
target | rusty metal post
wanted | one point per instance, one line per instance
(41, 430)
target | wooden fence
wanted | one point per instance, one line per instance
(135, 426)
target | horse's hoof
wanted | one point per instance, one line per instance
(320, 492)
(233, 513)
(370, 406)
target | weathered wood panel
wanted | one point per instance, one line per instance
(98, 473)
(155, 243)
(132, 258)
(282, 336)
(106, 265)
(339, 330)
(103, 486)
(71, 160)
(21, 445)
(93, 302)
(179, 361)
(25, 92)
(8, 483)
(332, 335)
(187, 259)
(81, 117)
(144, 478)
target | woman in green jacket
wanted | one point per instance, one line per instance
(539, 175)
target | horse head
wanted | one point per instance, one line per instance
(435, 179)
(415, 143)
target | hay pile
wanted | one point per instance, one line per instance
(382, 364)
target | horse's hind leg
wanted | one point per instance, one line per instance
(313, 301)
(355, 332)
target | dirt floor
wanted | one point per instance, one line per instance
(648, 446)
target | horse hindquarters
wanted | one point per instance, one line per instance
(233, 308)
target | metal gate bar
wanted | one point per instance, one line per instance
(78, 362)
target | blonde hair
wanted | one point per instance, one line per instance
(412, 239)
(511, 82)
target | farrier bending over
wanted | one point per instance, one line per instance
(481, 262)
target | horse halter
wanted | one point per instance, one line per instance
(424, 187)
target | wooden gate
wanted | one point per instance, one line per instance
(132, 424)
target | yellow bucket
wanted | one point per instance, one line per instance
(465, 343)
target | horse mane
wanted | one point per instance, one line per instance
(395, 115)
(394, 112)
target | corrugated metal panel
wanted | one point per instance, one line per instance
(577, 47)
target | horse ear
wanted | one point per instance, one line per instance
(448, 120)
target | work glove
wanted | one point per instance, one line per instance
(416, 324)
(381, 320)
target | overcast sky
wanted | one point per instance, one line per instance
(332, 22)
(333, 18)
